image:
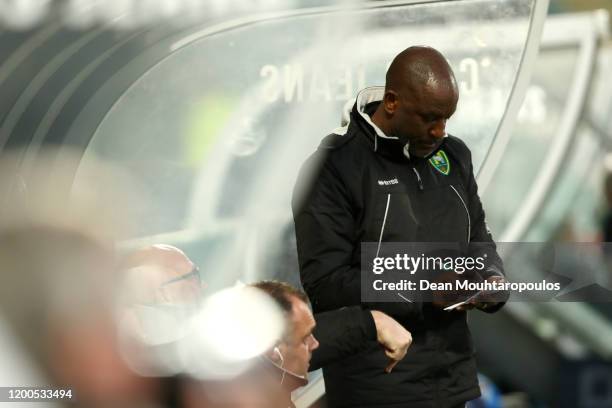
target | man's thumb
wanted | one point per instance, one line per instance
(391, 365)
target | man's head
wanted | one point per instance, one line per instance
(295, 348)
(420, 96)
(162, 273)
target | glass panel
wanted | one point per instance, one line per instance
(533, 133)
(577, 205)
(570, 214)
(218, 130)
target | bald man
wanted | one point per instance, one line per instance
(162, 273)
(393, 174)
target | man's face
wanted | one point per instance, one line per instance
(420, 117)
(300, 342)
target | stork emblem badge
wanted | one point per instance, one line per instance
(440, 162)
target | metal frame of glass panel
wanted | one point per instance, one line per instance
(584, 30)
(565, 331)
(504, 131)
(576, 323)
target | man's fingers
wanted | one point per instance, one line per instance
(392, 336)
(395, 356)
(391, 365)
(468, 306)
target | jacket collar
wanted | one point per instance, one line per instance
(364, 107)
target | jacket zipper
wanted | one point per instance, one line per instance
(466, 211)
(382, 228)
(418, 176)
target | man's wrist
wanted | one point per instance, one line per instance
(369, 319)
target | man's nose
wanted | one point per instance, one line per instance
(314, 344)
(438, 130)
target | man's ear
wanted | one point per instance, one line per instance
(390, 101)
(275, 355)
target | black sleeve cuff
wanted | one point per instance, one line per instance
(341, 333)
(369, 326)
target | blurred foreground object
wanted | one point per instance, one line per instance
(59, 276)
(208, 346)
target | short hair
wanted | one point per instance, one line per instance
(281, 292)
(416, 66)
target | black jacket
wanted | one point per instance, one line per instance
(362, 187)
(341, 333)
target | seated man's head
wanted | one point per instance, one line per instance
(295, 348)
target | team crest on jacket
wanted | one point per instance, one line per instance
(440, 162)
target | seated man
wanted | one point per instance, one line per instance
(326, 337)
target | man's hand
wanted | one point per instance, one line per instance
(394, 338)
(484, 300)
